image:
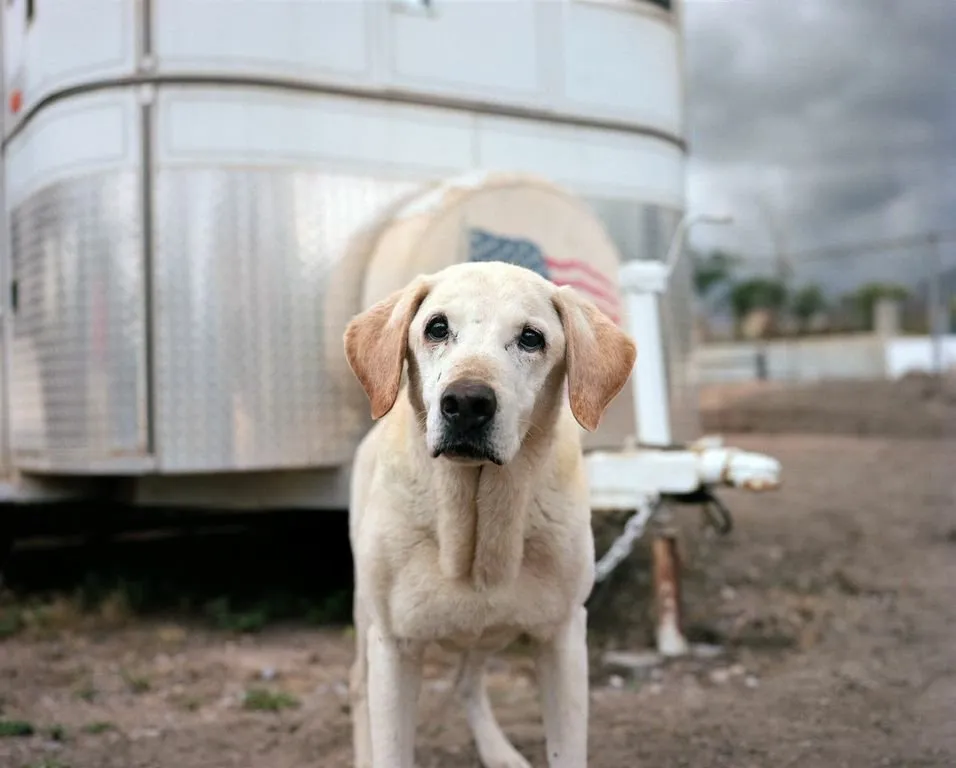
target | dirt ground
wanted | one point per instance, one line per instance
(917, 406)
(831, 603)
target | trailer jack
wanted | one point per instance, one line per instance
(642, 479)
(648, 482)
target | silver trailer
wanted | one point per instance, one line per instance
(197, 196)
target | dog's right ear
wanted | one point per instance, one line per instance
(376, 342)
(599, 356)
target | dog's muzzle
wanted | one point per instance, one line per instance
(468, 410)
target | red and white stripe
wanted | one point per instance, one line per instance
(586, 279)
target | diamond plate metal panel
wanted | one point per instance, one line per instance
(255, 274)
(643, 231)
(78, 378)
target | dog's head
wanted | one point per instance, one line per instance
(488, 346)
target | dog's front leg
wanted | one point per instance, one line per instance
(562, 667)
(394, 678)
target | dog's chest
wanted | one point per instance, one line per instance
(426, 605)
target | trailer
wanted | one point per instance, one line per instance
(197, 196)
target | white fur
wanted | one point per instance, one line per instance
(483, 339)
(472, 555)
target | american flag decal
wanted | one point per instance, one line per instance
(485, 246)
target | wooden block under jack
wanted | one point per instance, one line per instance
(666, 567)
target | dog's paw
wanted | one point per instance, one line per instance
(509, 758)
(516, 761)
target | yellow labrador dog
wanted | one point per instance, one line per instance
(469, 523)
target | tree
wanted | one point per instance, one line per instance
(713, 273)
(865, 298)
(806, 303)
(757, 293)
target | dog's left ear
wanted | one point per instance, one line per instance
(376, 342)
(599, 356)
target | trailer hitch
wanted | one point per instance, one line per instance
(646, 482)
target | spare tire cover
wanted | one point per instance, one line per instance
(507, 217)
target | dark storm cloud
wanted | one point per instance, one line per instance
(829, 121)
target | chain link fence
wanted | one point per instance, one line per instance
(875, 311)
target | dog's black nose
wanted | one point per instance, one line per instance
(468, 405)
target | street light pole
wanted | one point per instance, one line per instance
(674, 250)
(934, 302)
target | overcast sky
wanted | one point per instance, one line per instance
(832, 120)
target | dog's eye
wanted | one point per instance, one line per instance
(437, 328)
(531, 340)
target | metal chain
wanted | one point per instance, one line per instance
(634, 529)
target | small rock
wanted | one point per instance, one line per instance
(847, 582)
(616, 681)
(857, 676)
(268, 673)
(728, 593)
(655, 688)
(171, 634)
(632, 660)
(737, 670)
(144, 733)
(706, 650)
(719, 676)
(751, 681)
